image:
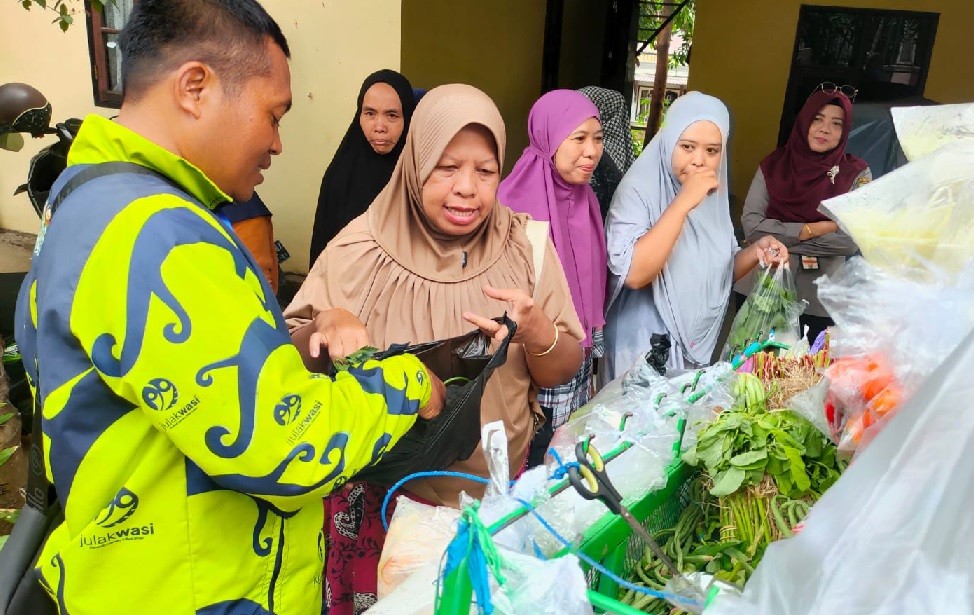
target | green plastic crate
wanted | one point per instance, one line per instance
(613, 544)
(610, 540)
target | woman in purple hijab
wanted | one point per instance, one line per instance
(551, 183)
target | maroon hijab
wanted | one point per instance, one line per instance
(798, 178)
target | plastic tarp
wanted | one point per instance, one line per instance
(873, 139)
(923, 130)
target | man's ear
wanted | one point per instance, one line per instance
(195, 82)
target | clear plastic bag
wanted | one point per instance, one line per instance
(917, 220)
(811, 405)
(923, 130)
(541, 587)
(893, 535)
(714, 389)
(770, 312)
(891, 333)
(416, 595)
(418, 535)
(862, 391)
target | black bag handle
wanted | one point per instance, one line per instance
(500, 355)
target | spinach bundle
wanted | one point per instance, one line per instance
(771, 311)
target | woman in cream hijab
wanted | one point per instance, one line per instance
(433, 257)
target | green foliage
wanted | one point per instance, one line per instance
(64, 9)
(6, 453)
(11, 354)
(639, 133)
(770, 307)
(649, 21)
(9, 514)
(637, 140)
(6, 417)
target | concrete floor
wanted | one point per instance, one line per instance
(13, 258)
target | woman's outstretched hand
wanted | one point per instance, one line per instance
(534, 329)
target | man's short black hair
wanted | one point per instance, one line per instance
(228, 35)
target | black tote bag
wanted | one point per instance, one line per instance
(454, 434)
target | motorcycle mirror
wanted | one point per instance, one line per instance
(12, 141)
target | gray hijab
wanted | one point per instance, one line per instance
(691, 293)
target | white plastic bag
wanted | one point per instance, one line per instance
(541, 587)
(416, 595)
(893, 535)
(923, 130)
(418, 535)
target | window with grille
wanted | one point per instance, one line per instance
(105, 21)
(884, 54)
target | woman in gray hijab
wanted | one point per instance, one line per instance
(672, 251)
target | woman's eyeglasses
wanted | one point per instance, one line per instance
(830, 88)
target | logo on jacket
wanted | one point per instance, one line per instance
(119, 509)
(160, 394)
(287, 409)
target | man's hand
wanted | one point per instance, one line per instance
(437, 400)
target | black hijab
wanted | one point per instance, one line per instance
(357, 173)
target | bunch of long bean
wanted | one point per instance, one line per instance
(724, 537)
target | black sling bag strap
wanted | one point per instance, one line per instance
(20, 590)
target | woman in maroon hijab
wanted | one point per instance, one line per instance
(792, 182)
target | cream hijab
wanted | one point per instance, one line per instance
(408, 282)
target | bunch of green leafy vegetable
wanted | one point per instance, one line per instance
(358, 357)
(771, 306)
(744, 443)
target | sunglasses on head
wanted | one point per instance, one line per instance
(830, 88)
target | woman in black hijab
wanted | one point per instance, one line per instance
(366, 156)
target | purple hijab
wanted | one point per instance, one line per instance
(535, 187)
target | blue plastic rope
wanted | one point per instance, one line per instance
(562, 470)
(467, 545)
(415, 475)
(603, 570)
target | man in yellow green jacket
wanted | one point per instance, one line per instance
(188, 445)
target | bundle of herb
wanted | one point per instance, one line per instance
(358, 357)
(771, 307)
(746, 442)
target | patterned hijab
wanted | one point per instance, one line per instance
(618, 155)
(615, 123)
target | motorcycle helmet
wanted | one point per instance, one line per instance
(22, 109)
